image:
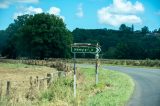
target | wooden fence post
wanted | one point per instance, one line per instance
(52, 77)
(41, 84)
(8, 88)
(48, 79)
(42, 63)
(35, 62)
(31, 82)
(60, 73)
(0, 90)
(37, 81)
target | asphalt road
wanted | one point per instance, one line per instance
(147, 85)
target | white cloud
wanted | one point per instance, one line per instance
(121, 11)
(7, 3)
(125, 6)
(56, 11)
(4, 4)
(32, 10)
(26, 1)
(62, 17)
(80, 11)
(29, 10)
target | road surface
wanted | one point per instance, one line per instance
(147, 85)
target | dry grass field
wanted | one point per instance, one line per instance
(22, 72)
(19, 77)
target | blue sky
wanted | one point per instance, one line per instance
(88, 14)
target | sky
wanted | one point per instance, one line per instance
(89, 14)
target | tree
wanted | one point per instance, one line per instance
(158, 30)
(110, 53)
(3, 39)
(145, 30)
(125, 28)
(39, 36)
(44, 36)
(11, 50)
(121, 44)
(132, 29)
(122, 27)
(122, 50)
(155, 31)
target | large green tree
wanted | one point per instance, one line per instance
(41, 36)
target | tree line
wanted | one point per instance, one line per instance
(124, 43)
(46, 36)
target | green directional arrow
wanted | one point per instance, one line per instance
(98, 49)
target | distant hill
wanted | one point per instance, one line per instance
(122, 44)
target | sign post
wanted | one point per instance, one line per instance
(85, 48)
(74, 75)
(97, 57)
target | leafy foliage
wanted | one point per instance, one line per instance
(38, 36)
(3, 39)
(124, 43)
(46, 36)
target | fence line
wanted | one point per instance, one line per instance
(35, 84)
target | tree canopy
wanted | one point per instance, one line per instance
(38, 36)
(3, 39)
(124, 43)
(145, 30)
(46, 36)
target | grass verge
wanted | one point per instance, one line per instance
(132, 66)
(114, 89)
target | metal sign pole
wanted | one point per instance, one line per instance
(85, 48)
(74, 86)
(97, 56)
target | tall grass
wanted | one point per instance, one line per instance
(59, 93)
(114, 89)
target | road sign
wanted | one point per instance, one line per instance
(85, 49)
